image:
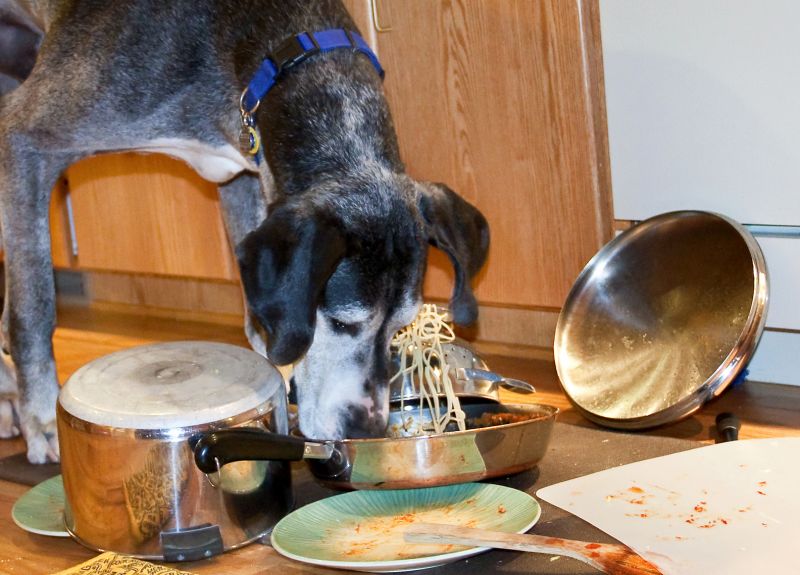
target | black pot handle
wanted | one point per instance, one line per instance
(215, 449)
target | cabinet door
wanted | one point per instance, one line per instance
(503, 101)
(147, 214)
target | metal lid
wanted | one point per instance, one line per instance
(170, 385)
(662, 319)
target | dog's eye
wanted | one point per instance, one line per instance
(350, 329)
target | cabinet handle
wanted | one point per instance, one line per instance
(376, 20)
(73, 237)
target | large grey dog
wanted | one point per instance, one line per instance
(332, 234)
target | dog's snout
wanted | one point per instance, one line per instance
(362, 423)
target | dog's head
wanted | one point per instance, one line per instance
(332, 275)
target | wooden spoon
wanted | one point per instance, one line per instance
(608, 558)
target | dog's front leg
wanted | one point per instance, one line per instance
(8, 398)
(26, 178)
(8, 381)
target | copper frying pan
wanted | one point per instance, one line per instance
(517, 443)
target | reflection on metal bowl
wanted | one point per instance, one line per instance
(662, 319)
(457, 354)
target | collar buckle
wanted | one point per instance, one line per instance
(290, 53)
(293, 51)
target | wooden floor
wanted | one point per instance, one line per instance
(765, 410)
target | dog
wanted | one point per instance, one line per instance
(330, 232)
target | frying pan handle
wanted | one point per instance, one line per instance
(215, 449)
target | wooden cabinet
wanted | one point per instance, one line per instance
(147, 214)
(503, 101)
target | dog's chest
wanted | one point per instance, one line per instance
(216, 164)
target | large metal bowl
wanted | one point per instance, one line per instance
(662, 319)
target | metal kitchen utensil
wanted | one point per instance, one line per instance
(607, 557)
(473, 378)
(127, 424)
(467, 374)
(662, 319)
(403, 462)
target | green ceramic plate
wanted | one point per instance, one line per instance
(363, 530)
(41, 509)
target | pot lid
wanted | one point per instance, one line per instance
(662, 319)
(170, 385)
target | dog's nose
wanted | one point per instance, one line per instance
(361, 424)
(370, 432)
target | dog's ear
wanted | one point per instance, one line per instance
(459, 230)
(285, 264)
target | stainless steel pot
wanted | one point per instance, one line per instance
(127, 425)
(398, 463)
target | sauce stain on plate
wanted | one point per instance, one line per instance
(363, 530)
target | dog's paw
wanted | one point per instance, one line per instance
(8, 420)
(42, 442)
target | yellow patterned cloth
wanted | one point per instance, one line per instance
(110, 563)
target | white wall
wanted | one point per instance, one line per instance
(703, 104)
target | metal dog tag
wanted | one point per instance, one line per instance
(249, 141)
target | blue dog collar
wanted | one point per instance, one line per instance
(293, 51)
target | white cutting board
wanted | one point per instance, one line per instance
(728, 508)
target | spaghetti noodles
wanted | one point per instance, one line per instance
(421, 343)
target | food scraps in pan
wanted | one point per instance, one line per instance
(413, 424)
(495, 419)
